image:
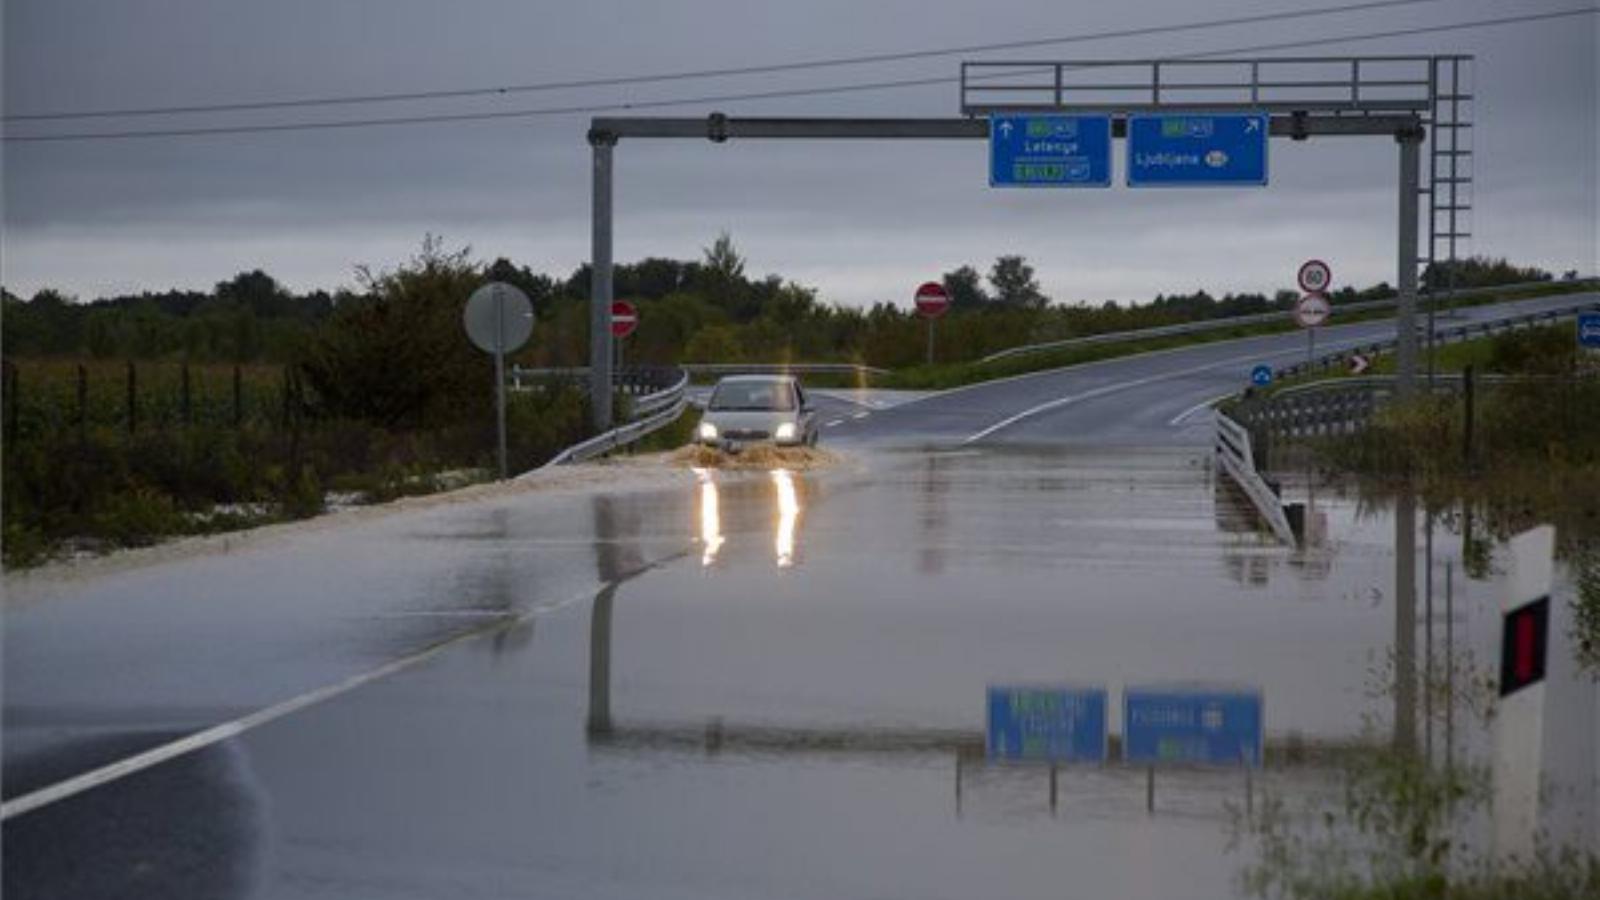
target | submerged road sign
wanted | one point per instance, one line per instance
(1191, 725)
(1197, 149)
(1050, 151)
(1047, 724)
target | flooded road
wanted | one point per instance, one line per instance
(779, 692)
(650, 680)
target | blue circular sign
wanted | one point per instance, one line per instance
(1261, 375)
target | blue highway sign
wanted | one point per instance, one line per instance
(1050, 151)
(1589, 330)
(1261, 375)
(1191, 725)
(1197, 149)
(1050, 724)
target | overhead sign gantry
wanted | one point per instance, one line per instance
(1185, 121)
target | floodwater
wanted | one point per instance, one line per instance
(778, 691)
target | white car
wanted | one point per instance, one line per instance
(754, 409)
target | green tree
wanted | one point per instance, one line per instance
(965, 287)
(1014, 284)
(396, 354)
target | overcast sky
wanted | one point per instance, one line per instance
(859, 221)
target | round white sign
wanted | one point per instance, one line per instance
(1312, 310)
(498, 317)
(1315, 276)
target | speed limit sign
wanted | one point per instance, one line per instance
(1315, 276)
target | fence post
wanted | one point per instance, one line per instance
(286, 397)
(188, 408)
(133, 399)
(11, 385)
(1469, 400)
(83, 403)
(238, 400)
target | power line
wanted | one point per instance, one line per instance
(737, 97)
(617, 81)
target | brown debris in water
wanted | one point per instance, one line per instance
(759, 456)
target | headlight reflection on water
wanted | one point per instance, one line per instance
(788, 514)
(711, 536)
(710, 518)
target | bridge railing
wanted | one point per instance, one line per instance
(1237, 459)
(1469, 331)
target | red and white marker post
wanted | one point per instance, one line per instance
(932, 301)
(1525, 638)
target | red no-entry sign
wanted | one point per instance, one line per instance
(624, 318)
(932, 300)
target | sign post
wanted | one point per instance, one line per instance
(498, 318)
(1310, 311)
(932, 301)
(624, 321)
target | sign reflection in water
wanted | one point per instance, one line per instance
(788, 509)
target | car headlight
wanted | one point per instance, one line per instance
(786, 431)
(708, 431)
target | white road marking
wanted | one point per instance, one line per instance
(138, 762)
(833, 423)
(1101, 391)
(1179, 419)
(860, 415)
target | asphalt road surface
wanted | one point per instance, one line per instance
(655, 682)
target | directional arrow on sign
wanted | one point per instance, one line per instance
(1005, 129)
(1359, 364)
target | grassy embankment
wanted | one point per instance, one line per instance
(82, 475)
(947, 375)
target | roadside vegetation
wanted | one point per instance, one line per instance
(132, 418)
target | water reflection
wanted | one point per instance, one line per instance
(788, 515)
(710, 518)
(713, 530)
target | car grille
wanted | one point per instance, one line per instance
(746, 434)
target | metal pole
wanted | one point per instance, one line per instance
(1450, 665)
(930, 342)
(600, 285)
(1405, 622)
(1406, 324)
(500, 375)
(1427, 633)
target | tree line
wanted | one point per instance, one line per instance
(705, 310)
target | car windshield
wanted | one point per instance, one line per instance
(762, 395)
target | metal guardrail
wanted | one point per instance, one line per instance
(783, 369)
(1440, 336)
(620, 436)
(649, 403)
(634, 380)
(1340, 405)
(1238, 461)
(1113, 337)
